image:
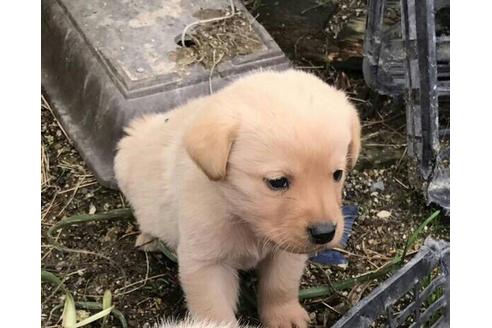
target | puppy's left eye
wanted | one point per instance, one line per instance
(337, 175)
(277, 184)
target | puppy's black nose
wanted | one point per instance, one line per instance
(322, 233)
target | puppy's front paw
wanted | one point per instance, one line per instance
(287, 315)
(147, 243)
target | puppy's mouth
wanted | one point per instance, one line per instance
(308, 249)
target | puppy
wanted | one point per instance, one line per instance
(191, 323)
(250, 176)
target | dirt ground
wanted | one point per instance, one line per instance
(145, 285)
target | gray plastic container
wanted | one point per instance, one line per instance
(106, 62)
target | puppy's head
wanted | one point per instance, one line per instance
(280, 145)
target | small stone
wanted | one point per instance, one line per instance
(342, 266)
(377, 186)
(80, 281)
(82, 314)
(92, 209)
(60, 265)
(383, 214)
(140, 70)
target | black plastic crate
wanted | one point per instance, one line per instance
(417, 295)
(406, 53)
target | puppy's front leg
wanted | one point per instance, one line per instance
(211, 290)
(278, 298)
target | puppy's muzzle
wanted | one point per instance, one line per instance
(321, 233)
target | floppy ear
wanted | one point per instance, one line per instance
(209, 139)
(354, 146)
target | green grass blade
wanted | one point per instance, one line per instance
(167, 252)
(106, 304)
(93, 318)
(413, 237)
(69, 313)
(47, 276)
(98, 306)
(117, 214)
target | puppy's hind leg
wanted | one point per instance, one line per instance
(147, 243)
(278, 298)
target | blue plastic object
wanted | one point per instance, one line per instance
(332, 257)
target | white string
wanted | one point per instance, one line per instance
(215, 19)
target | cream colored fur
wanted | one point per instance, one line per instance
(190, 323)
(195, 177)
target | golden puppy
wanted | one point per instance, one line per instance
(191, 323)
(250, 176)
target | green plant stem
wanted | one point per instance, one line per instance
(325, 291)
(167, 252)
(51, 278)
(47, 276)
(414, 236)
(307, 293)
(98, 307)
(394, 264)
(118, 214)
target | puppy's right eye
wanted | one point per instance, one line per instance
(277, 184)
